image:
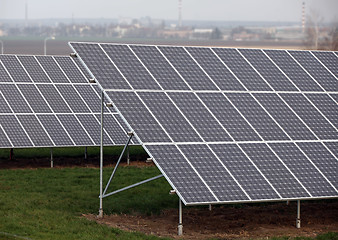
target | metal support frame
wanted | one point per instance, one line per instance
(210, 207)
(101, 157)
(11, 154)
(118, 162)
(298, 214)
(85, 154)
(51, 158)
(180, 225)
(128, 158)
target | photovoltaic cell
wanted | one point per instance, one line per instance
(3, 105)
(182, 176)
(247, 175)
(268, 70)
(14, 99)
(316, 69)
(4, 77)
(34, 98)
(35, 130)
(329, 59)
(34, 69)
(257, 117)
(246, 74)
(303, 170)
(229, 117)
(14, 68)
(14, 131)
(52, 69)
(326, 105)
(75, 130)
(188, 69)
(294, 72)
(159, 68)
(89, 95)
(55, 130)
(73, 99)
(53, 98)
(71, 70)
(215, 69)
(138, 117)
(170, 117)
(82, 69)
(101, 66)
(323, 159)
(274, 170)
(213, 172)
(292, 125)
(317, 123)
(130, 67)
(333, 146)
(198, 115)
(4, 142)
(335, 97)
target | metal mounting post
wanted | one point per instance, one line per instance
(51, 158)
(287, 202)
(128, 159)
(298, 214)
(180, 225)
(86, 154)
(210, 207)
(101, 157)
(11, 154)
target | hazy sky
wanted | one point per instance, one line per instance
(224, 10)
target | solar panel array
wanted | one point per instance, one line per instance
(228, 125)
(46, 101)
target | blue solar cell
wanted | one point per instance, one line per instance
(294, 72)
(35, 131)
(257, 117)
(170, 117)
(52, 69)
(182, 176)
(310, 115)
(14, 68)
(213, 172)
(291, 124)
(244, 171)
(229, 117)
(4, 77)
(14, 131)
(138, 117)
(159, 67)
(14, 98)
(316, 69)
(329, 59)
(53, 98)
(71, 70)
(34, 98)
(55, 130)
(333, 146)
(4, 142)
(34, 69)
(199, 116)
(274, 170)
(4, 108)
(188, 69)
(73, 99)
(216, 70)
(326, 105)
(90, 97)
(323, 159)
(268, 70)
(84, 70)
(130, 67)
(303, 170)
(239, 66)
(100, 65)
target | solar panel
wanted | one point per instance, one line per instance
(46, 101)
(227, 125)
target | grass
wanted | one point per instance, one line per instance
(48, 203)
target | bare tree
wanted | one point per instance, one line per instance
(312, 29)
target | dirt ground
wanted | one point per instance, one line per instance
(227, 222)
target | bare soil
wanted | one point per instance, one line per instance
(228, 222)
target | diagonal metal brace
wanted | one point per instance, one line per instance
(133, 185)
(131, 134)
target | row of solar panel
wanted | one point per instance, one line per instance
(50, 130)
(41, 69)
(192, 68)
(223, 117)
(251, 172)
